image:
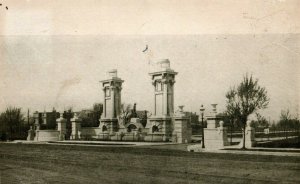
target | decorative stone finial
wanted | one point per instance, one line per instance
(214, 107)
(112, 73)
(165, 63)
(76, 118)
(181, 108)
(221, 124)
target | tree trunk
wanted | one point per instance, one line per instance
(244, 136)
(231, 135)
(231, 128)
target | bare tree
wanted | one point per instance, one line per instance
(261, 121)
(285, 120)
(97, 112)
(245, 99)
(125, 113)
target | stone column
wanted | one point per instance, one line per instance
(61, 127)
(112, 95)
(104, 104)
(165, 97)
(160, 125)
(76, 127)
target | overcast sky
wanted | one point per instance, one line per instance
(53, 54)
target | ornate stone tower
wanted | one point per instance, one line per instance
(112, 102)
(160, 124)
(163, 82)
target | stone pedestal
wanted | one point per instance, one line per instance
(182, 131)
(159, 129)
(131, 136)
(61, 127)
(250, 136)
(118, 136)
(30, 136)
(215, 137)
(109, 125)
(104, 136)
(76, 127)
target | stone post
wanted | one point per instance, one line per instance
(182, 131)
(250, 136)
(61, 127)
(36, 121)
(44, 115)
(215, 137)
(30, 136)
(76, 127)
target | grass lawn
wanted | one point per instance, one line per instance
(22, 163)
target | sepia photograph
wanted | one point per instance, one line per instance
(140, 91)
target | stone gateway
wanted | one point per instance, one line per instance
(162, 125)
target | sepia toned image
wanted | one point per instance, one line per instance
(161, 91)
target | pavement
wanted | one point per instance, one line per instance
(234, 149)
(94, 143)
(258, 151)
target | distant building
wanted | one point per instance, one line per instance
(46, 120)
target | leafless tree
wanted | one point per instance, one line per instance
(245, 99)
(125, 113)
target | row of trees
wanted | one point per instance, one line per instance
(90, 118)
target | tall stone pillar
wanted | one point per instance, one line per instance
(215, 137)
(76, 127)
(160, 125)
(61, 126)
(112, 102)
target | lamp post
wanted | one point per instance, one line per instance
(202, 113)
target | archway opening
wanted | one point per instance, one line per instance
(155, 129)
(131, 127)
(104, 129)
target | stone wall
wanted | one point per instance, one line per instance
(90, 133)
(46, 135)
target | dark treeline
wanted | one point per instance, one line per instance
(13, 124)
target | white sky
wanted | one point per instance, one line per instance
(53, 53)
